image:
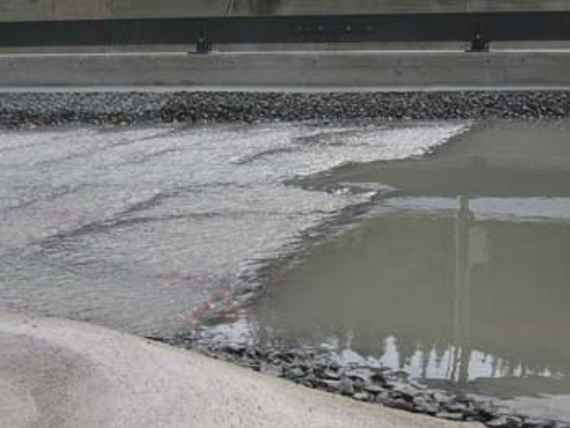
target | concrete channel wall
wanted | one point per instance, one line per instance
(309, 70)
(23, 10)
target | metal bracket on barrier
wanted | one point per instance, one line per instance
(479, 43)
(203, 45)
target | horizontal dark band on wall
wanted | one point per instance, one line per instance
(515, 26)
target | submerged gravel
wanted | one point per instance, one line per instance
(98, 108)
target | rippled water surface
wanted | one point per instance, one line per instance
(438, 248)
(135, 228)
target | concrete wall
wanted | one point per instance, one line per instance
(311, 70)
(23, 10)
(300, 7)
(68, 9)
(11, 10)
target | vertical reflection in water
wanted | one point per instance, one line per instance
(462, 301)
(441, 288)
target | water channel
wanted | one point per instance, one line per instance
(440, 249)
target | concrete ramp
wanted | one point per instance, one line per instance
(56, 373)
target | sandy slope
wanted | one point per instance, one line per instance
(58, 373)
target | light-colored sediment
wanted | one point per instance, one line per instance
(59, 373)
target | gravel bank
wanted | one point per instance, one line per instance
(125, 108)
(317, 370)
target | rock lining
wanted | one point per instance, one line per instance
(136, 108)
(318, 370)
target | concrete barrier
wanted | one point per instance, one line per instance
(307, 70)
(19, 10)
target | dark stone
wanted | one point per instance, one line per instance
(456, 407)
(404, 390)
(400, 404)
(332, 385)
(500, 422)
(537, 423)
(331, 374)
(424, 405)
(122, 109)
(346, 387)
(373, 388)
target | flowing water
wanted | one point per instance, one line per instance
(441, 249)
(135, 228)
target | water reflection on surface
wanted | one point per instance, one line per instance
(442, 296)
(463, 290)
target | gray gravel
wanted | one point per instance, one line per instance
(315, 369)
(41, 109)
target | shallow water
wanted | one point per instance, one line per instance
(437, 248)
(136, 228)
(460, 276)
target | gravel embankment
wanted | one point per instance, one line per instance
(318, 370)
(47, 109)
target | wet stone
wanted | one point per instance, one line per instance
(456, 407)
(331, 385)
(404, 390)
(400, 404)
(346, 387)
(503, 422)
(373, 388)
(442, 397)
(425, 406)
(361, 374)
(295, 373)
(316, 370)
(450, 416)
(537, 423)
(331, 374)
(361, 396)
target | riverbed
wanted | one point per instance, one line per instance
(438, 248)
